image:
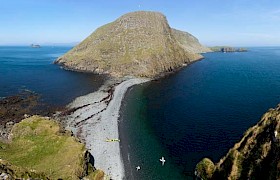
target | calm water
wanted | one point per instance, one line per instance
(33, 69)
(200, 111)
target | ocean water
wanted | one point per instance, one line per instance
(26, 68)
(200, 111)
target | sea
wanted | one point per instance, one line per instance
(199, 111)
(23, 68)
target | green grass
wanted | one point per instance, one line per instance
(38, 145)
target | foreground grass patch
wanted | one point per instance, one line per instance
(38, 145)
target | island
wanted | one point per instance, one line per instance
(140, 44)
(35, 46)
(226, 49)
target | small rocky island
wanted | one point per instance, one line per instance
(226, 49)
(255, 156)
(35, 46)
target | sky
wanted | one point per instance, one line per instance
(213, 22)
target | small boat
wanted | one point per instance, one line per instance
(112, 140)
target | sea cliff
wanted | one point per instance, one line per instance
(255, 156)
(139, 44)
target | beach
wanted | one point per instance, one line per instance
(94, 119)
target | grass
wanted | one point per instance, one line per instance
(38, 145)
(139, 44)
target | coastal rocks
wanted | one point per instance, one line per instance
(256, 156)
(20, 106)
(14, 108)
(4, 176)
(140, 44)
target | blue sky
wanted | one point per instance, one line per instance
(213, 22)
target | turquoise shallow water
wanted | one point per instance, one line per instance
(200, 111)
(33, 69)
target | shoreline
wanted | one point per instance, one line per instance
(158, 76)
(94, 117)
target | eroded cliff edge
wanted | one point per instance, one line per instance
(138, 44)
(256, 156)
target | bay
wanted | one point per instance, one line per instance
(26, 68)
(199, 111)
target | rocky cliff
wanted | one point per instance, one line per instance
(256, 156)
(138, 43)
(189, 42)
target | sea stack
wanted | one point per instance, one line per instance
(256, 156)
(139, 44)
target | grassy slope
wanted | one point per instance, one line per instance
(138, 43)
(38, 145)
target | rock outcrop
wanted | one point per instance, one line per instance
(256, 156)
(136, 44)
(14, 109)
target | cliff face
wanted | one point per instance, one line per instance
(139, 44)
(189, 42)
(256, 156)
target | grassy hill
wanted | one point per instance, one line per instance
(138, 43)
